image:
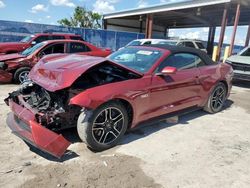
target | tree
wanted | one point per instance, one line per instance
(82, 18)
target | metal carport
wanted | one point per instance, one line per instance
(188, 14)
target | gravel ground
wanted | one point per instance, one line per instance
(201, 150)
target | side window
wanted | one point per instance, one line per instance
(181, 61)
(46, 51)
(78, 47)
(55, 37)
(246, 53)
(76, 38)
(41, 39)
(189, 44)
(181, 44)
(56, 48)
(147, 42)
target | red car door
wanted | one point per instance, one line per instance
(176, 91)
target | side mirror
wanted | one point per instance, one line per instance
(167, 71)
(33, 42)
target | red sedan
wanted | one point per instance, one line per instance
(104, 98)
(17, 66)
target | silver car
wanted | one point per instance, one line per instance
(241, 64)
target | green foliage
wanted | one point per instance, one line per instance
(82, 18)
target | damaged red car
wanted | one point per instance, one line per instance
(17, 66)
(105, 97)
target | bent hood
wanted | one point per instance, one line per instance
(56, 72)
(11, 57)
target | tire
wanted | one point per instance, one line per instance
(20, 74)
(98, 130)
(216, 99)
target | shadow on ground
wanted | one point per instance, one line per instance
(241, 83)
(67, 155)
(144, 131)
(141, 132)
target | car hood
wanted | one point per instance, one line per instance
(10, 44)
(239, 59)
(56, 72)
(11, 57)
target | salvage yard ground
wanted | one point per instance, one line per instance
(202, 150)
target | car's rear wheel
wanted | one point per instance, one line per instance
(104, 127)
(217, 98)
(21, 75)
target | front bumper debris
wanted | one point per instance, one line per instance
(23, 123)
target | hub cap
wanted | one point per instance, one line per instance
(23, 76)
(218, 98)
(108, 125)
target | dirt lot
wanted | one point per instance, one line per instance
(202, 150)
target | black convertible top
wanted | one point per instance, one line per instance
(181, 49)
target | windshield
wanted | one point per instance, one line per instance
(27, 39)
(245, 52)
(139, 59)
(32, 49)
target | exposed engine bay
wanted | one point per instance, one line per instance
(104, 73)
(52, 109)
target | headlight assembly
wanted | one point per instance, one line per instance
(3, 65)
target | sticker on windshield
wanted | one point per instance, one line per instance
(143, 52)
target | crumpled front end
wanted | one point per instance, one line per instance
(29, 124)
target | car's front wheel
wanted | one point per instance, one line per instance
(104, 127)
(21, 75)
(216, 99)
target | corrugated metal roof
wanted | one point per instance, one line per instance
(165, 7)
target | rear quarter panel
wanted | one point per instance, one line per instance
(213, 74)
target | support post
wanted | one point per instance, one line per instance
(222, 31)
(104, 24)
(236, 22)
(210, 40)
(166, 32)
(248, 36)
(141, 23)
(149, 26)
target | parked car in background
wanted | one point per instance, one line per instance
(192, 44)
(180, 42)
(26, 42)
(140, 42)
(241, 64)
(17, 66)
(104, 97)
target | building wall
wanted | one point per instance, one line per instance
(133, 26)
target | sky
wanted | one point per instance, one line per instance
(50, 11)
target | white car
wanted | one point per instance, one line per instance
(241, 64)
(193, 44)
(188, 43)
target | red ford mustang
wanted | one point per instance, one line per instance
(105, 97)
